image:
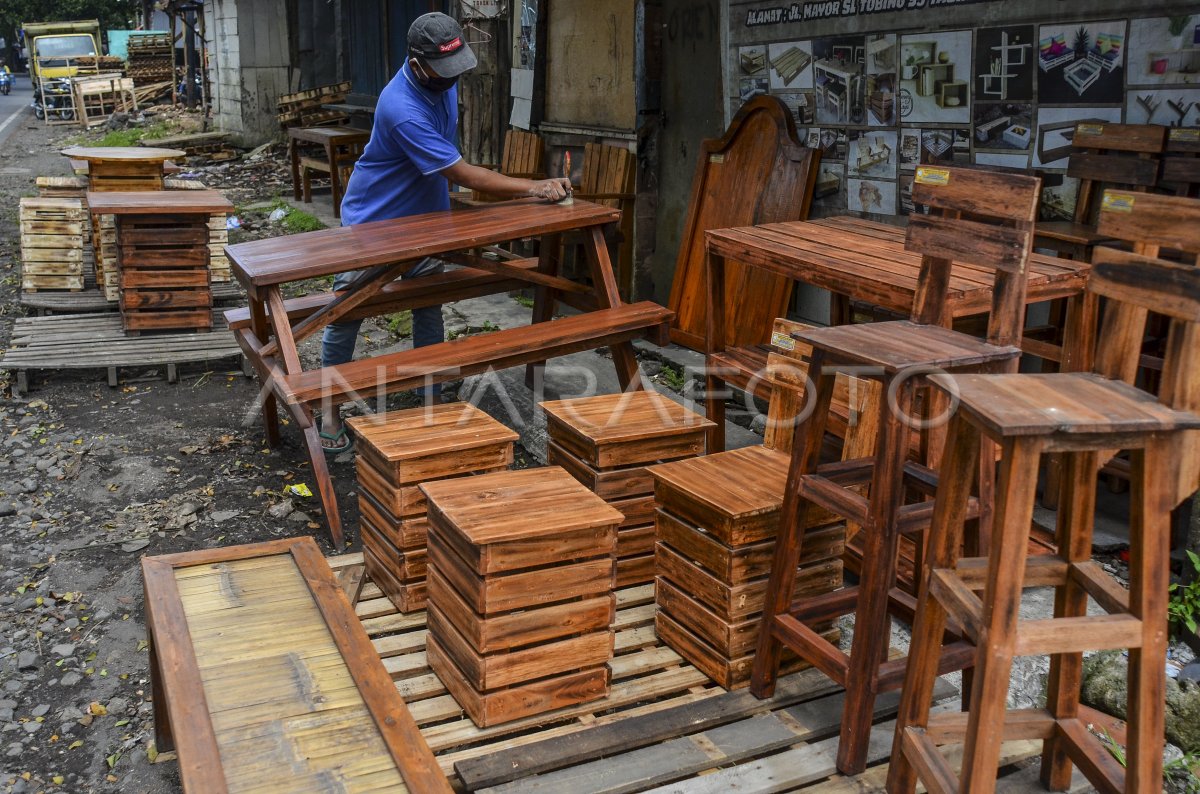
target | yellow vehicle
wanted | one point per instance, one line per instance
(53, 48)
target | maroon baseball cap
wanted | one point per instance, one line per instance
(440, 42)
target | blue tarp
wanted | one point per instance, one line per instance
(118, 40)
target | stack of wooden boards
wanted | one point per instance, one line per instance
(304, 108)
(521, 600)
(213, 146)
(398, 451)
(150, 58)
(218, 232)
(162, 244)
(607, 442)
(52, 233)
(716, 528)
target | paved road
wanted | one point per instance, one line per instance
(15, 105)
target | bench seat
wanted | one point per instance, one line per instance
(247, 706)
(409, 369)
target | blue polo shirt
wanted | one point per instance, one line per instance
(412, 141)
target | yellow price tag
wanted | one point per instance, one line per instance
(1185, 134)
(1117, 202)
(782, 341)
(1089, 129)
(716, 158)
(932, 176)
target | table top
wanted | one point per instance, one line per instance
(163, 202)
(324, 134)
(866, 260)
(279, 260)
(147, 154)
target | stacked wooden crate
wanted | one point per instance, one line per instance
(164, 272)
(150, 58)
(716, 539)
(520, 592)
(218, 233)
(306, 108)
(68, 187)
(398, 451)
(52, 243)
(607, 442)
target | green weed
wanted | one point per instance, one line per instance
(672, 377)
(524, 301)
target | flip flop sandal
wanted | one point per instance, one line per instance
(346, 446)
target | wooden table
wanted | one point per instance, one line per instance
(124, 167)
(331, 139)
(866, 261)
(270, 327)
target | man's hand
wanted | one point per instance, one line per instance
(552, 189)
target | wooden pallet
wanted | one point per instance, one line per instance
(52, 243)
(304, 108)
(164, 272)
(790, 64)
(97, 341)
(663, 724)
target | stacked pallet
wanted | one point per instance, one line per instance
(218, 232)
(100, 63)
(209, 145)
(398, 451)
(606, 443)
(163, 272)
(304, 108)
(716, 540)
(521, 601)
(68, 187)
(150, 58)
(104, 251)
(52, 243)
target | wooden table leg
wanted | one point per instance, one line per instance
(543, 298)
(608, 297)
(320, 471)
(714, 342)
(335, 177)
(294, 158)
(1078, 355)
(258, 320)
(164, 741)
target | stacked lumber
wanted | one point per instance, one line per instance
(607, 442)
(716, 529)
(195, 144)
(70, 187)
(304, 108)
(521, 601)
(218, 233)
(152, 92)
(52, 243)
(163, 274)
(399, 450)
(151, 59)
(100, 63)
(790, 64)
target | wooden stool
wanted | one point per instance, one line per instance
(718, 520)
(995, 233)
(520, 592)
(399, 450)
(606, 443)
(1084, 416)
(52, 232)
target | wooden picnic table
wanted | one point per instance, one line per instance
(866, 261)
(331, 139)
(123, 167)
(270, 327)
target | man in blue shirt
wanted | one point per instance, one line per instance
(405, 170)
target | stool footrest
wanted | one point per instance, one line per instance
(933, 769)
(812, 647)
(955, 656)
(950, 727)
(828, 494)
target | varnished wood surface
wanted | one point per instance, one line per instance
(625, 416)
(866, 261)
(323, 135)
(434, 430)
(517, 505)
(329, 251)
(157, 202)
(102, 154)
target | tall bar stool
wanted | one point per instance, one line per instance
(1086, 417)
(978, 218)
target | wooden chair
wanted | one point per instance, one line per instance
(1180, 173)
(1084, 417)
(1118, 155)
(978, 217)
(338, 172)
(608, 178)
(521, 157)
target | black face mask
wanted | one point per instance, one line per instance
(430, 80)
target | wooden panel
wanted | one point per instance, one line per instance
(1166, 221)
(591, 65)
(439, 431)
(527, 552)
(608, 485)
(727, 673)
(1141, 138)
(1109, 168)
(406, 597)
(968, 241)
(406, 533)
(1162, 287)
(757, 172)
(996, 195)
(612, 430)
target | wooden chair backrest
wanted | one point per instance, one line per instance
(1116, 154)
(757, 172)
(1180, 172)
(855, 401)
(522, 156)
(1151, 222)
(608, 175)
(980, 218)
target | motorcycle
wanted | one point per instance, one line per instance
(6, 81)
(58, 101)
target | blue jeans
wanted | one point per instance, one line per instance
(337, 344)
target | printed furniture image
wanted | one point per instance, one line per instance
(1081, 74)
(753, 61)
(836, 84)
(995, 83)
(1053, 51)
(1017, 135)
(1106, 52)
(1176, 63)
(789, 65)
(872, 151)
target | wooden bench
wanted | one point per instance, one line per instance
(309, 709)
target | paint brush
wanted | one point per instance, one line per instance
(567, 199)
